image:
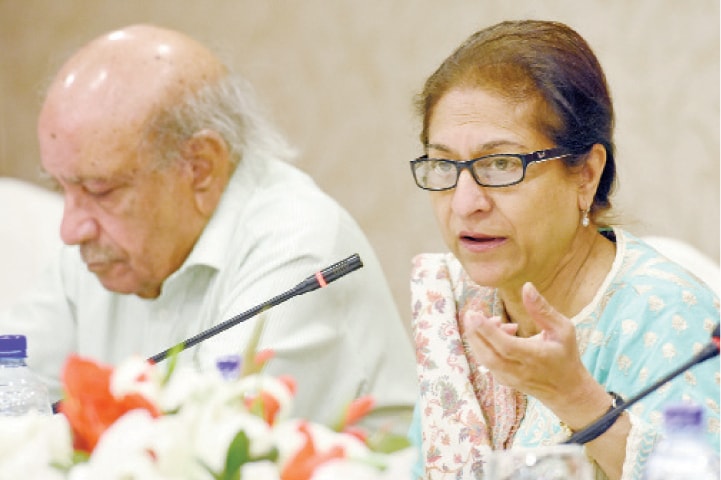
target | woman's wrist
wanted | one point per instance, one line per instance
(615, 401)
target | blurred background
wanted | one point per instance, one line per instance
(338, 77)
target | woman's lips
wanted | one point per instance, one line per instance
(480, 243)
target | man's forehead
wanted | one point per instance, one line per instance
(76, 157)
(98, 172)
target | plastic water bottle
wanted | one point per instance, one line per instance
(21, 391)
(684, 452)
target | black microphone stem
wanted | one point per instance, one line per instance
(216, 329)
(600, 426)
(319, 280)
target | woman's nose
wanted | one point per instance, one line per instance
(468, 196)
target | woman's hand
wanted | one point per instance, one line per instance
(546, 366)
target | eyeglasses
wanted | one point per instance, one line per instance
(497, 170)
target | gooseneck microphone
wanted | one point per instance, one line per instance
(598, 427)
(320, 279)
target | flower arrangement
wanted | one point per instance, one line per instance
(141, 421)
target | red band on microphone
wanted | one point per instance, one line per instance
(715, 340)
(321, 280)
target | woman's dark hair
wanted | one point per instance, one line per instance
(542, 61)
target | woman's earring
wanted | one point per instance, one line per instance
(585, 221)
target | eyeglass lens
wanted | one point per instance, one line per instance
(490, 171)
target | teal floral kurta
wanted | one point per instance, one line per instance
(648, 317)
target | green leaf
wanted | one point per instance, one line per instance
(387, 442)
(271, 456)
(251, 350)
(77, 457)
(80, 457)
(238, 454)
(172, 362)
(256, 407)
(216, 476)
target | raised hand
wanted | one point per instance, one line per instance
(546, 366)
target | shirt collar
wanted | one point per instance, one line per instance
(215, 241)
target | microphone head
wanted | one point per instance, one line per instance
(324, 277)
(715, 333)
(342, 268)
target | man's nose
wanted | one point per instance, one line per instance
(78, 225)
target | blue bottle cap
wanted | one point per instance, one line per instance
(13, 346)
(683, 415)
(229, 366)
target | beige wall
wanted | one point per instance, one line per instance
(339, 76)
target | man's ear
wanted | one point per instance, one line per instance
(589, 176)
(208, 160)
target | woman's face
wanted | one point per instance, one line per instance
(503, 236)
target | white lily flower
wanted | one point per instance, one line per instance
(202, 415)
(136, 376)
(32, 444)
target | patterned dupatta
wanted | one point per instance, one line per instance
(464, 412)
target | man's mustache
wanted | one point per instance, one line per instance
(97, 254)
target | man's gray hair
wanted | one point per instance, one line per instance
(227, 107)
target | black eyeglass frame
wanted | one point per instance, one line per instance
(525, 158)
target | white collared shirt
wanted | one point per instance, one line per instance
(273, 228)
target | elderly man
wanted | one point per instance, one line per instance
(179, 213)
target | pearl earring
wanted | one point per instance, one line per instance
(585, 221)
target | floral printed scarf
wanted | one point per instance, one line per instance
(464, 412)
